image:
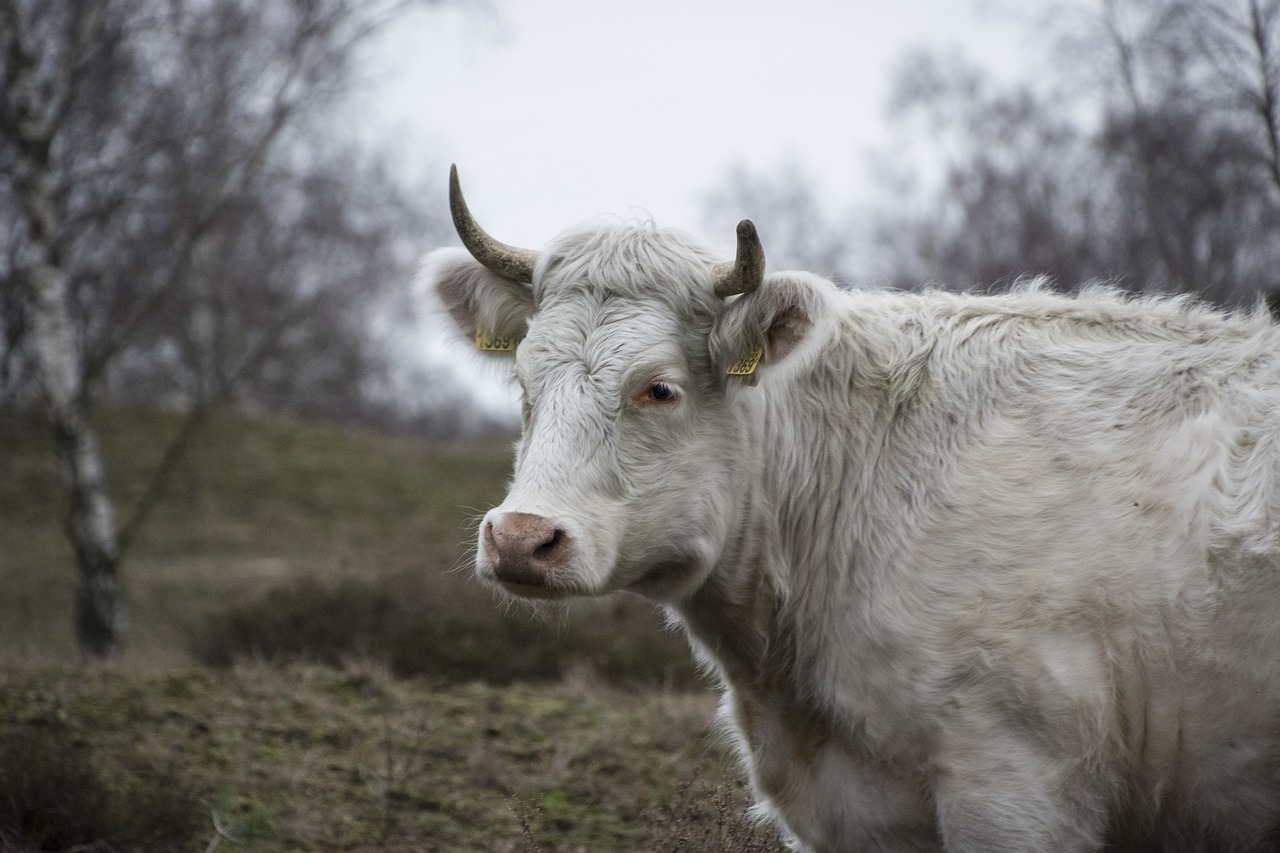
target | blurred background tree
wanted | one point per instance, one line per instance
(1150, 159)
(178, 225)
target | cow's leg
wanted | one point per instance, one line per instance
(835, 801)
(1002, 794)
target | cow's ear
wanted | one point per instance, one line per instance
(489, 311)
(771, 325)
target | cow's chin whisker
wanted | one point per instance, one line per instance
(555, 590)
(534, 592)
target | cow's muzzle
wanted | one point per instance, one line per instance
(526, 552)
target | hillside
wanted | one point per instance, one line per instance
(278, 538)
(256, 504)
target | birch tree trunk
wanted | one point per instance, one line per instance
(100, 614)
(100, 607)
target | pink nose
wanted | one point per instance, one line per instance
(525, 548)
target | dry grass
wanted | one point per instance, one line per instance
(316, 758)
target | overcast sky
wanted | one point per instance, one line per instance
(558, 111)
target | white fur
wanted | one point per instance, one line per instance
(974, 572)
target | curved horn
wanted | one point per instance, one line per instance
(746, 272)
(506, 261)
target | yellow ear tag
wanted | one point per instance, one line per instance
(747, 365)
(490, 342)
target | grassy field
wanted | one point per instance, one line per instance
(305, 666)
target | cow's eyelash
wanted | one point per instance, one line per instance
(663, 392)
(656, 394)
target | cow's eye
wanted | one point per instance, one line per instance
(661, 392)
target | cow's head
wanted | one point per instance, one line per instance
(636, 352)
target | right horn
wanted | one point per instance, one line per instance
(746, 272)
(506, 261)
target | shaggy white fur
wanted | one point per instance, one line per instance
(976, 573)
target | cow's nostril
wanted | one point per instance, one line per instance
(546, 549)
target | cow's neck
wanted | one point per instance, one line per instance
(730, 617)
(805, 526)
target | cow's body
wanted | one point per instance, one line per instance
(975, 573)
(1021, 559)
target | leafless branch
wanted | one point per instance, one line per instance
(1268, 68)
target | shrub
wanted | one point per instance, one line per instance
(305, 620)
(449, 632)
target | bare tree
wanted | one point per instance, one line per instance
(1189, 137)
(1262, 98)
(1017, 194)
(168, 217)
(1149, 161)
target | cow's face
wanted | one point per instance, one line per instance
(629, 472)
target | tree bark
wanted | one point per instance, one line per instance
(100, 614)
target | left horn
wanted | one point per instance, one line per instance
(746, 272)
(506, 261)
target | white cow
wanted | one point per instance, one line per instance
(974, 572)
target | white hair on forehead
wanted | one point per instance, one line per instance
(606, 293)
(634, 261)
